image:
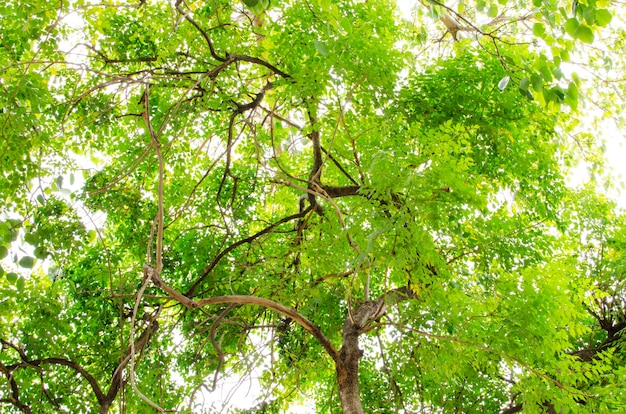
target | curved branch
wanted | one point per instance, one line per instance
(248, 300)
(218, 348)
(55, 361)
(261, 62)
(76, 367)
(202, 31)
(14, 397)
(191, 291)
(283, 310)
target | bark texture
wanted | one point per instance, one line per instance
(347, 363)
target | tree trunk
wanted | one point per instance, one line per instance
(348, 370)
(347, 362)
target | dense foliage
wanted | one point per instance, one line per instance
(342, 205)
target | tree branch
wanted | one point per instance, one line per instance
(55, 361)
(191, 291)
(283, 310)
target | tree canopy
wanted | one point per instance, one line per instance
(363, 209)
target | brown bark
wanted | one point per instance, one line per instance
(347, 364)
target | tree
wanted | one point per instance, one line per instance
(369, 213)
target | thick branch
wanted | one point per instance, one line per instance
(14, 397)
(514, 409)
(316, 171)
(76, 367)
(343, 191)
(261, 62)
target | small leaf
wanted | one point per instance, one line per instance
(27, 262)
(40, 253)
(12, 277)
(589, 15)
(493, 11)
(503, 82)
(321, 47)
(571, 95)
(539, 29)
(570, 27)
(536, 81)
(3, 252)
(545, 72)
(32, 239)
(527, 94)
(524, 83)
(584, 33)
(572, 90)
(91, 236)
(20, 284)
(346, 25)
(603, 17)
(251, 3)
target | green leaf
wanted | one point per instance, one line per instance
(536, 81)
(20, 284)
(589, 15)
(251, 3)
(493, 11)
(526, 93)
(539, 29)
(545, 71)
(571, 95)
(12, 277)
(584, 33)
(40, 252)
(27, 262)
(91, 236)
(346, 25)
(572, 91)
(3, 252)
(321, 47)
(570, 27)
(32, 239)
(603, 17)
(524, 84)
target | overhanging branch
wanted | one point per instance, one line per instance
(248, 300)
